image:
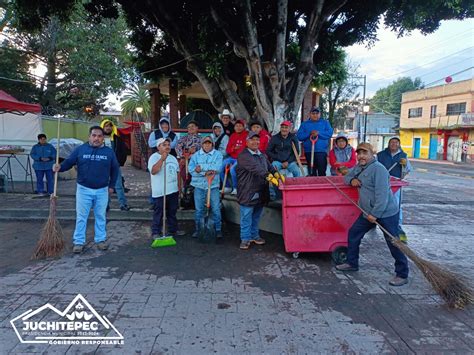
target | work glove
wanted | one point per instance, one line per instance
(343, 170)
(279, 176)
(271, 179)
(403, 162)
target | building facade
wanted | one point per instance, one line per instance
(438, 123)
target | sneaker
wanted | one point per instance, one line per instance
(77, 249)
(258, 241)
(195, 234)
(398, 281)
(125, 189)
(179, 233)
(244, 245)
(234, 192)
(102, 246)
(228, 190)
(403, 237)
(346, 267)
(125, 208)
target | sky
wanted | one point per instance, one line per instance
(432, 58)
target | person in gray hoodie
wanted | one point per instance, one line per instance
(376, 199)
(163, 131)
(220, 138)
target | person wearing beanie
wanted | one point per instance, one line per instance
(113, 141)
(236, 145)
(342, 156)
(206, 161)
(396, 162)
(163, 131)
(220, 138)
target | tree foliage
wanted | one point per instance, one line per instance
(281, 45)
(85, 57)
(389, 99)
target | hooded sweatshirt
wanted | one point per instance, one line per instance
(220, 143)
(115, 143)
(159, 133)
(237, 143)
(324, 134)
(342, 157)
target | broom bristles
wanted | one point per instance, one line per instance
(452, 288)
(51, 242)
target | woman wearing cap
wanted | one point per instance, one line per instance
(206, 161)
(234, 148)
(342, 157)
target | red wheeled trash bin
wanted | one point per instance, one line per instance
(316, 217)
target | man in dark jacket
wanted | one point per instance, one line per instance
(113, 141)
(396, 162)
(377, 201)
(43, 155)
(97, 170)
(253, 170)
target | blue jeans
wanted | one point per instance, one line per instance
(40, 174)
(200, 200)
(87, 198)
(360, 227)
(119, 190)
(249, 221)
(292, 168)
(232, 172)
(398, 197)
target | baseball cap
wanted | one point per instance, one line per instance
(315, 109)
(252, 134)
(253, 123)
(242, 122)
(161, 141)
(365, 146)
(286, 123)
(206, 139)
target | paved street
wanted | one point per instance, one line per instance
(204, 298)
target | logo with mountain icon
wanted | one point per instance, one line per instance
(79, 323)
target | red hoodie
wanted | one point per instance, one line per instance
(237, 143)
(264, 140)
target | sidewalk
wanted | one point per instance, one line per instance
(442, 162)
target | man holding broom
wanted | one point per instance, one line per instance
(155, 166)
(97, 171)
(376, 199)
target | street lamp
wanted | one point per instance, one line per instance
(366, 110)
(139, 110)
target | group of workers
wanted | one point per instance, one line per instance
(254, 161)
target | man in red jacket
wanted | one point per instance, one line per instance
(235, 146)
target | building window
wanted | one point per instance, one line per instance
(455, 109)
(433, 111)
(415, 112)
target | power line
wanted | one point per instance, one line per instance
(422, 65)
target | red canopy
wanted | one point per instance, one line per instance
(9, 104)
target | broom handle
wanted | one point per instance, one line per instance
(57, 160)
(225, 179)
(295, 152)
(360, 208)
(164, 198)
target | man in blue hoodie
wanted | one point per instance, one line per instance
(377, 201)
(97, 171)
(316, 128)
(43, 155)
(206, 161)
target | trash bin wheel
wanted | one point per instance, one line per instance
(296, 255)
(339, 255)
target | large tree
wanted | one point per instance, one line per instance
(213, 35)
(389, 99)
(85, 57)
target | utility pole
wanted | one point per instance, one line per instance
(364, 85)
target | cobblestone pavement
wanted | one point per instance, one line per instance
(204, 298)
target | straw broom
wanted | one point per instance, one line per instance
(51, 243)
(452, 288)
